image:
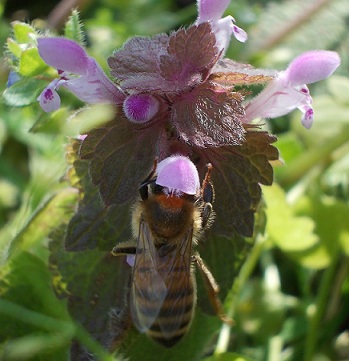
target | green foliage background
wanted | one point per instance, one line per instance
(290, 300)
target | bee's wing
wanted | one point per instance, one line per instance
(148, 287)
(180, 288)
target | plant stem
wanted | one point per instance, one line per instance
(315, 319)
(299, 166)
(245, 272)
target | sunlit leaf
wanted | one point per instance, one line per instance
(30, 63)
(14, 47)
(228, 72)
(23, 92)
(331, 219)
(23, 32)
(285, 229)
(25, 280)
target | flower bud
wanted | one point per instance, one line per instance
(140, 108)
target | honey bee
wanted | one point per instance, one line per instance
(167, 222)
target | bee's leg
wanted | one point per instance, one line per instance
(212, 289)
(124, 249)
(207, 195)
(143, 188)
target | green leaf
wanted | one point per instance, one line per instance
(30, 63)
(331, 219)
(237, 174)
(73, 28)
(286, 230)
(121, 154)
(23, 32)
(93, 225)
(47, 217)
(14, 47)
(25, 281)
(23, 92)
(95, 283)
(289, 147)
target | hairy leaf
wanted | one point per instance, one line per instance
(96, 285)
(191, 54)
(168, 64)
(209, 116)
(94, 224)
(122, 154)
(237, 173)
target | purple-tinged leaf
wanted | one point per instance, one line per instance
(191, 54)
(209, 116)
(236, 175)
(166, 64)
(93, 225)
(136, 64)
(121, 153)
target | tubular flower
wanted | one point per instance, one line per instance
(288, 90)
(223, 28)
(77, 72)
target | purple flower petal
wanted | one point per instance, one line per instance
(64, 54)
(211, 9)
(79, 73)
(178, 173)
(311, 67)
(240, 34)
(288, 91)
(49, 100)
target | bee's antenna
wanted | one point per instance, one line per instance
(143, 188)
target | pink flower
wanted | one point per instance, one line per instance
(288, 90)
(77, 71)
(179, 175)
(212, 11)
